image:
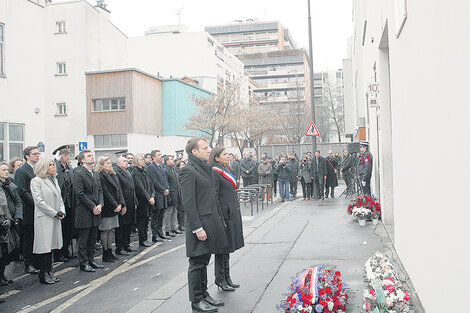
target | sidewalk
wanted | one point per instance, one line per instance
(279, 242)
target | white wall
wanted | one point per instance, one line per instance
(423, 117)
(22, 88)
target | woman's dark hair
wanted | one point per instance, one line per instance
(215, 153)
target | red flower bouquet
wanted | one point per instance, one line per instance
(367, 202)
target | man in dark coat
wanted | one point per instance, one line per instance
(127, 218)
(156, 173)
(171, 213)
(293, 174)
(364, 167)
(346, 167)
(331, 175)
(235, 166)
(275, 163)
(205, 233)
(247, 167)
(64, 178)
(23, 178)
(319, 174)
(89, 202)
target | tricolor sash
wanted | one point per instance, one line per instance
(227, 175)
(309, 280)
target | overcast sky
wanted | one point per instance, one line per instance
(331, 20)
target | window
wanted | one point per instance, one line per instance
(61, 109)
(2, 49)
(111, 141)
(11, 141)
(109, 104)
(60, 27)
(61, 68)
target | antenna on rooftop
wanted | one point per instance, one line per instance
(101, 4)
(179, 12)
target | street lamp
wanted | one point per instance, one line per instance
(312, 89)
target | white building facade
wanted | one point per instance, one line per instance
(409, 62)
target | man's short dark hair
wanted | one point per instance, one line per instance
(81, 155)
(129, 153)
(147, 155)
(193, 144)
(317, 151)
(28, 150)
(167, 157)
(153, 153)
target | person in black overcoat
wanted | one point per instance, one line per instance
(89, 202)
(205, 228)
(123, 232)
(171, 213)
(23, 178)
(331, 175)
(64, 178)
(156, 172)
(319, 171)
(145, 193)
(226, 189)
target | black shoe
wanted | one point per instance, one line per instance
(30, 270)
(110, 252)
(161, 235)
(170, 234)
(87, 268)
(107, 257)
(130, 249)
(214, 302)
(176, 231)
(61, 259)
(45, 279)
(3, 283)
(231, 283)
(4, 278)
(144, 244)
(55, 279)
(203, 306)
(95, 265)
(224, 286)
(156, 239)
(121, 252)
(182, 228)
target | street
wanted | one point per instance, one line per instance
(281, 240)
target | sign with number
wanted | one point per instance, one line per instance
(312, 130)
(41, 146)
(82, 145)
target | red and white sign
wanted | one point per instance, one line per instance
(312, 130)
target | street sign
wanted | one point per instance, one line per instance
(41, 146)
(312, 130)
(82, 145)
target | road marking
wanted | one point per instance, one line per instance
(9, 293)
(98, 282)
(54, 265)
(63, 271)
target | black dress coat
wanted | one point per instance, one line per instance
(112, 194)
(23, 178)
(64, 179)
(201, 207)
(174, 185)
(130, 199)
(88, 194)
(144, 190)
(230, 207)
(331, 177)
(160, 184)
(322, 169)
(13, 199)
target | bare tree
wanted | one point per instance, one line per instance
(334, 102)
(213, 114)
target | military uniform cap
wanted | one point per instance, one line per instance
(364, 143)
(62, 150)
(121, 152)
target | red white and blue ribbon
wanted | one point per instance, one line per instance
(313, 271)
(227, 175)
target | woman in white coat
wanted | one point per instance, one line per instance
(49, 209)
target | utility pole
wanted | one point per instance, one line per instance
(312, 89)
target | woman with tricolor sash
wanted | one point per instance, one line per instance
(226, 187)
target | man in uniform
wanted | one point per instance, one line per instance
(364, 167)
(64, 178)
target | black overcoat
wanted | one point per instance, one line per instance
(230, 207)
(322, 169)
(158, 178)
(88, 194)
(144, 190)
(331, 177)
(13, 199)
(112, 194)
(64, 179)
(201, 207)
(130, 199)
(174, 185)
(23, 178)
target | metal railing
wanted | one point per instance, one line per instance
(256, 194)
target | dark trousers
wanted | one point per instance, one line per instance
(180, 214)
(348, 180)
(86, 244)
(222, 267)
(247, 181)
(366, 188)
(275, 186)
(157, 221)
(306, 188)
(327, 191)
(142, 226)
(319, 185)
(28, 239)
(44, 262)
(311, 189)
(123, 236)
(197, 277)
(293, 188)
